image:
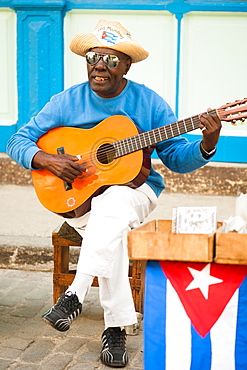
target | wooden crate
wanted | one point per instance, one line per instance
(231, 248)
(155, 241)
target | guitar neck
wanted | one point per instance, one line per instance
(157, 135)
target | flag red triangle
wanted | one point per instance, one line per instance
(203, 312)
(104, 35)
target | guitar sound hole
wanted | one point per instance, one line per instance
(106, 153)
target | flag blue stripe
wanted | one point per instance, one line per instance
(241, 337)
(154, 317)
(109, 40)
(201, 351)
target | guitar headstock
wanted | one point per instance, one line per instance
(233, 112)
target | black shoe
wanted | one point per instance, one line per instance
(64, 312)
(114, 351)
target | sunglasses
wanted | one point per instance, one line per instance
(112, 61)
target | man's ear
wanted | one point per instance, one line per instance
(128, 65)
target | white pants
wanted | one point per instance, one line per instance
(104, 248)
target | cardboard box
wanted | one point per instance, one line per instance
(231, 248)
(155, 241)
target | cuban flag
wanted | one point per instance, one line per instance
(195, 316)
(109, 37)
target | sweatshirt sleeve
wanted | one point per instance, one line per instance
(22, 147)
(177, 153)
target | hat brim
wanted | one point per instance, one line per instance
(82, 43)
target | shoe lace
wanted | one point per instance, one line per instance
(116, 338)
(68, 302)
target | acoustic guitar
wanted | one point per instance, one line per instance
(114, 153)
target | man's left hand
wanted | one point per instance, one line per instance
(210, 125)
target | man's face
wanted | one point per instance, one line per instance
(108, 82)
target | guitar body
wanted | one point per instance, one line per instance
(94, 146)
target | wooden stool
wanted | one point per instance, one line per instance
(65, 237)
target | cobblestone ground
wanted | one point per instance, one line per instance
(27, 343)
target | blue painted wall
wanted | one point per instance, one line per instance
(40, 66)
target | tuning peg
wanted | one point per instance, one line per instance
(233, 122)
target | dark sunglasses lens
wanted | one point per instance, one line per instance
(92, 58)
(111, 60)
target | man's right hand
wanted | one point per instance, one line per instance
(63, 166)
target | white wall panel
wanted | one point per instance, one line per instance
(155, 31)
(213, 63)
(8, 84)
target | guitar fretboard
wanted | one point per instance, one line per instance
(157, 135)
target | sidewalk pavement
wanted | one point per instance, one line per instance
(26, 342)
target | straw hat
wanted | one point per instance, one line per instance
(110, 35)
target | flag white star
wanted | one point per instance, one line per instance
(202, 280)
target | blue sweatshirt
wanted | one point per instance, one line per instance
(81, 107)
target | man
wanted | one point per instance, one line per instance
(109, 52)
